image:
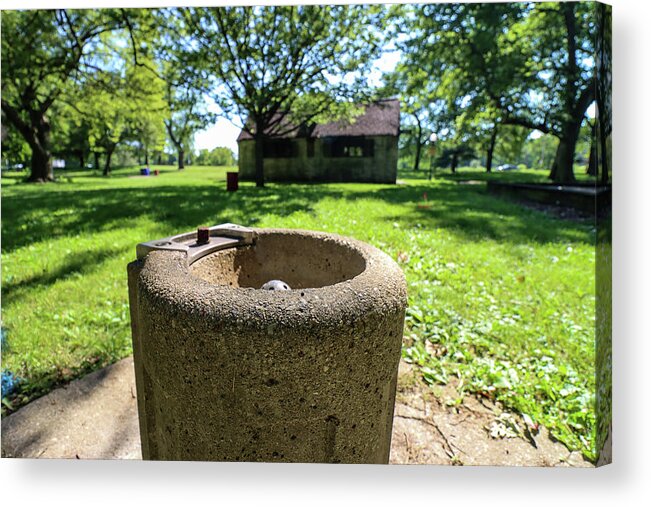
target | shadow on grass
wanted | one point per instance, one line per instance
(466, 209)
(471, 212)
(79, 264)
(178, 208)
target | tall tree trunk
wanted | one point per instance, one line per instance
(181, 158)
(604, 91)
(419, 144)
(96, 155)
(453, 164)
(178, 144)
(107, 163)
(259, 154)
(604, 155)
(82, 160)
(419, 147)
(41, 155)
(146, 158)
(41, 165)
(592, 157)
(36, 133)
(563, 167)
(592, 160)
(491, 149)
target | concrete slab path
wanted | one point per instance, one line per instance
(96, 417)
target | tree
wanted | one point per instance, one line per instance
(185, 90)
(147, 110)
(125, 103)
(15, 151)
(162, 35)
(219, 156)
(70, 133)
(481, 128)
(523, 64)
(106, 109)
(187, 118)
(586, 148)
(45, 50)
(562, 56)
(188, 115)
(538, 152)
(459, 54)
(453, 155)
(509, 148)
(279, 68)
(603, 69)
(491, 147)
(421, 104)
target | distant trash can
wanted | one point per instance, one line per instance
(144, 171)
(156, 172)
(231, 181)
(229, 371)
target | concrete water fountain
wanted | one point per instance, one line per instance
(229, 371)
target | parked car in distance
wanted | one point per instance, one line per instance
(507, 167)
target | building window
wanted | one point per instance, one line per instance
(345, 147)
(279, 148)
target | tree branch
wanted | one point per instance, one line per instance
(523, 122)
(585, 99)
(134, 48)
(18, 122)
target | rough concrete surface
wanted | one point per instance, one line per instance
(229, 372)
(91, 418)
(96, 418)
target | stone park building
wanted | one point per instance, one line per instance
(365, 150)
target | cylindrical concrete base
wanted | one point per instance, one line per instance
(226, 371)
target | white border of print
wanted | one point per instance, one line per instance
(60, 482)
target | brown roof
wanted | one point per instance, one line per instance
(381, 118)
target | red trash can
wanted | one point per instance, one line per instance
(231, 181)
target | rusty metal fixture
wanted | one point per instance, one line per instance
(220, 237)
(203, 235)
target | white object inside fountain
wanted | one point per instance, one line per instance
(275, 285)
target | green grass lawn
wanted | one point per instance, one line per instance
(501, 297)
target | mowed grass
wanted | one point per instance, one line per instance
(501, 297)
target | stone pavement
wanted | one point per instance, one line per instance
(95, 417)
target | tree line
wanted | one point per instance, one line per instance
(82, 82)
(473, 73)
